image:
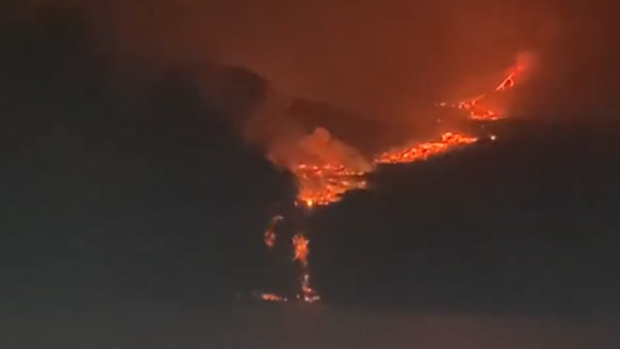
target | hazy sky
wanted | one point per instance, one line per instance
(376, 59)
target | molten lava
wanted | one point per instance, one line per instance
(321, 185)
(300, 242)
(270, 234)
(301, 249)
(324, 184)
(271, 297)
(326, 169)
(309, 295)
(477, 109)
(425, 150)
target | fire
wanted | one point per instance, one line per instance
(270, 234)
(301, 249)
(425, 150)
(309, 295)
(321, 185)
(272, 297)
(475, 107)
(477, 111)
(326, 169)
(300, 242)
(324, 184)
(514, 73)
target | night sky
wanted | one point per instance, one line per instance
(132, 207)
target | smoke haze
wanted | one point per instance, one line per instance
(388, 61)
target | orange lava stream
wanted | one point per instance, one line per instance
(324, 184)
(270, 234)
(302, 250)
(475, 106)
(425, 150)
(272, 297)
(477, 111)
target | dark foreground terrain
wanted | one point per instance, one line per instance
(155, 326)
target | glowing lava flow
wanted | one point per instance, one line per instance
(321, 183)
(302, 251)
(271, 297)
(475, 107)
(425, 150)
(324, 185)
(270, 234)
